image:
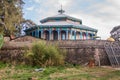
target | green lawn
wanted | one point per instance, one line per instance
(10, 72)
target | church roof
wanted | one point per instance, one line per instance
(57, 23)
(67, 24)
(60, 16)
(61, 21)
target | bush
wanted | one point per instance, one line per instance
(2, 65)
(43, 55)
(1, 40)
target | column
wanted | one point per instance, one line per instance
(42, 35)
(35, 33)
(67, 35)
(50, 37)
(86, 35)
(80, 35)
(58, 34)
(74, 35)
(92, 36)
(38, 32)
(71, 34)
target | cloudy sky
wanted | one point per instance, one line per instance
(99, 14)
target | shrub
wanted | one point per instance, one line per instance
(44, 54)
(2, 65)
(1, 40)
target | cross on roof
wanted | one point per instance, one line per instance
(61, 11)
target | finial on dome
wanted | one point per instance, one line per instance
(61, 11)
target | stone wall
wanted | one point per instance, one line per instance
(82, 51)
(78, 52)
(13, 51)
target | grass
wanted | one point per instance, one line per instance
(22, 72)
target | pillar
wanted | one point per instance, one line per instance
(71, 34)
(50, 35)
(58, 31)
(74, 35)
(86, 35)
(42, 35)
(37, 32)
(67, 35)
(92, 36)
(80, 35)
(60, 35)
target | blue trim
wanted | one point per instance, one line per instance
(64, 26)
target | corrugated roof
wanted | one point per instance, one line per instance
(61, 16)
(57, 23)
(66, 24)
(115, 28)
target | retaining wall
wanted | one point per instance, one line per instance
(78, 52)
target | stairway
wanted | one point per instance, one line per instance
(113, 51)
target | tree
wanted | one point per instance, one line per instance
(11, 14)
(23, 26)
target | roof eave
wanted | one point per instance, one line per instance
(66, 17)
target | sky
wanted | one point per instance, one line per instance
(102, 15)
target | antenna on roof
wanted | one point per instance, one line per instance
(61, 11)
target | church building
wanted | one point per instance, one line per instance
(61, 27)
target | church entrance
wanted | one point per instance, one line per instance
(33, 34)
(63, 35)
(55, 35)
(89, 36)
(46, 35)
(84, 35)
(39, 34)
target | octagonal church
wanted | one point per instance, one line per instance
(62, 27)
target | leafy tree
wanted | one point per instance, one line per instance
(11, 14)
(23, 26)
